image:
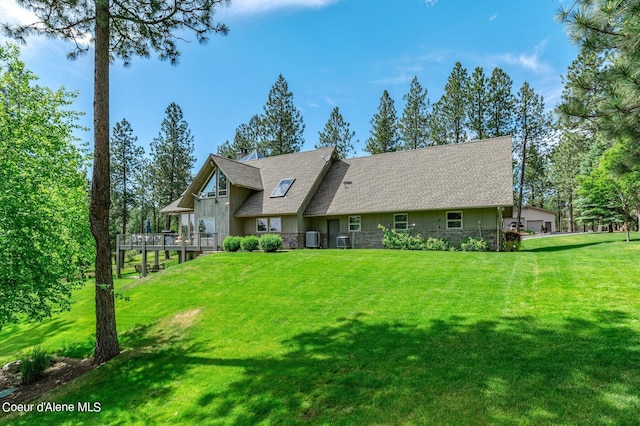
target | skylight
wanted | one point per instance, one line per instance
(282, 188)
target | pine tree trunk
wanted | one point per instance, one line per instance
(107, 345)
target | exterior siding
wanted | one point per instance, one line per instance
(476, 223)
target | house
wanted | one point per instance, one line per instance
(450, 191)
(533, 219)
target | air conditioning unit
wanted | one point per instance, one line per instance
(313, 239)
(343, 242)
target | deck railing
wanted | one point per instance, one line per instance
(167, 241)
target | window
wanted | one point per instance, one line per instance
(222, 184)
(400, 221)
(217, 181)
(282, 188)
(454, 220)
(275, 224)
(207, 226)
(272, 224)
(354, 223)
(209, 189)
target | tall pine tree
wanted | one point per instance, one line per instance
(477, 103)
(282, 123)
(173, 159)
(337, 133)
(384, 131)
(247, 138)
(119, 30)
(451, 111)
(126, 159)
(413, 126)
(533, 127)
(501, 104)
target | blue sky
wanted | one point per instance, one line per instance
(341, 53)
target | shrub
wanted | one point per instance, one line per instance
(404, 240)
(512, 240)
(231, 243)
(270, 242)
(250, 243)
(33, 365)
(471, 244)
(438, 244)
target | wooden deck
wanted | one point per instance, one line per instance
(182, 243)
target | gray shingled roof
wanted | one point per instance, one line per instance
(239, 174)
(307, 168)
(466, 175)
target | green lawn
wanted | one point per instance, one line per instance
(549, 335)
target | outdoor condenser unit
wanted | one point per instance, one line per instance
(313, 239)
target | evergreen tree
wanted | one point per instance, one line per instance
(477, 104)
(172, 156)
(609, 30)
(532, 127)
(452, 111)
(282, 124)
(501, 104)
(126, 158)
(338, 134)
(247, 138)
(122, 30)
(384, 133)
(438, 129)
(413, 126)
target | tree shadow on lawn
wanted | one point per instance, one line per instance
(511, 371)
(362, 371)
(555, 248)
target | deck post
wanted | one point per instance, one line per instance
(118, 266)
(144, 256)
(183, 251)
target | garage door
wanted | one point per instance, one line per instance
(535, 225)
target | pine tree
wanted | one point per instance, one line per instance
(452, 111)
(119, 30)
(282, 124)
(477, 103)
(533, 126)
(413, 126)
(126, 157)
(247, 138)
(501, 104)
(173, 159)
(338, 134)
(384, 133)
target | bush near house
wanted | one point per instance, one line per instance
(270, 242)
(231, 243)
(472, 244)
(404, 240)
(250, 243)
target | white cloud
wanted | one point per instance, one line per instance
(250, 7)
(530, 61)
(431, 2)
(330, 101)
(493, 17)
(14, 14)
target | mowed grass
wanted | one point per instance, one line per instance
(549, 335)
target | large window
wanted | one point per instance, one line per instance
(400, 221)
(454, 220)
(216, 186)
(354, 223)
(271, 224)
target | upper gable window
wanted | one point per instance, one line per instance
(282, 188)
(216, 186)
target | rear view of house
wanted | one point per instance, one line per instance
(450, 191)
